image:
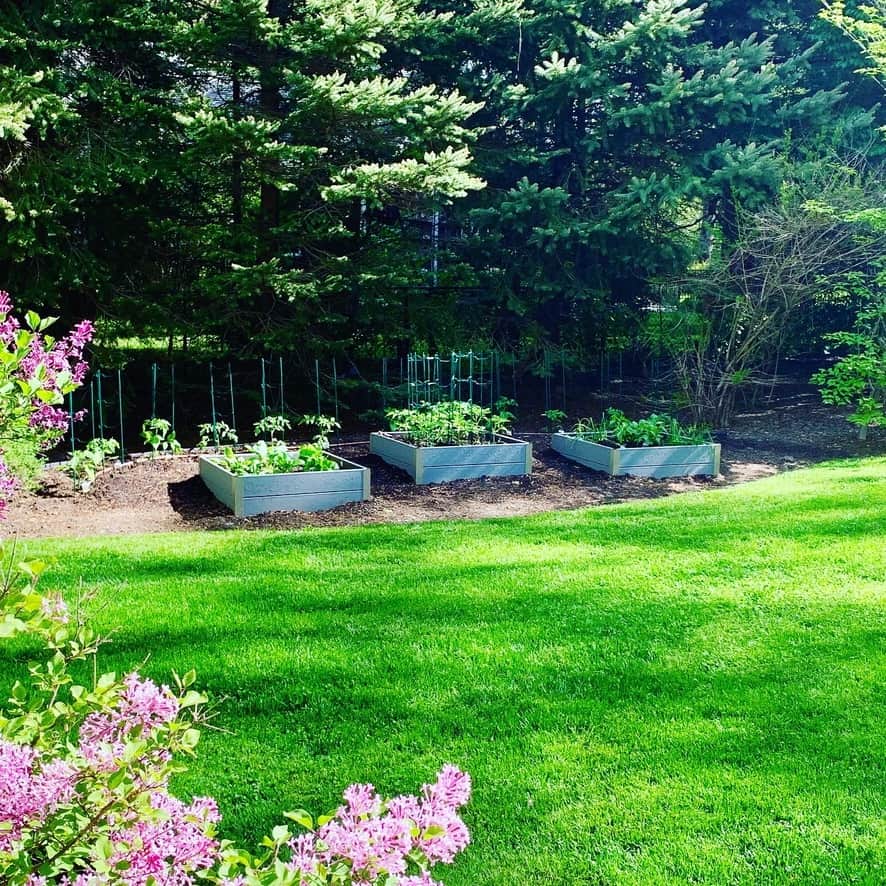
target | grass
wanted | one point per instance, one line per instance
(687, 690)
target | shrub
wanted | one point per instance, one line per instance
(858, 379)
(37, 372)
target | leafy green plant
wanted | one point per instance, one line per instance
(84, 465)
(276, 458)
(159, 435)
(272, 426)
(554, 418)
(214, 434)
(450, 423)
(325, 426)
(616, 429)
(858, 379)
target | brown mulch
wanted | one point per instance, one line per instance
(167, 495)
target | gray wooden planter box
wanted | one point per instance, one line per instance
(247, 496)
(442, 464)
(643, 461)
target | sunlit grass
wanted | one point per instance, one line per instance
(687, 690)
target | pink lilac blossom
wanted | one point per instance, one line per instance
(170, 848)
(29, 789)
(375, 840)
(47, 362)
(53, 607)
(142, 706)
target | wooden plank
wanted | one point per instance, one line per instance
(394, 452)
(219, 481)
(250, 506)
(449, 473)
(493, 453)
(585, 452)
(301, 483)
(666, 455)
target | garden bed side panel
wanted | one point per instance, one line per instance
(591, 455)
(443, 464)
(248, 496)
(657, 462)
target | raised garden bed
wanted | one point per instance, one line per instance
(658, 462)
(506, 457)
(249, 495)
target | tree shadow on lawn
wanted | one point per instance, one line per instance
(797, 718)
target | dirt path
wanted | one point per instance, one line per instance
(167, 495)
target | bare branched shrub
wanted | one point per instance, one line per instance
(737, 311)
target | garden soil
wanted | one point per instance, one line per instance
(166, 494)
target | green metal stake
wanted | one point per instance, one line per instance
(335, 386)
(153, 390)
(282, 398)
(92, 406)
(264, 390)
(101, 408)
(470, 376)
(120, 412)
(71, 413)
(172, 393)
(231, 388)
(212, 397)
(563, 375)
(317, 382)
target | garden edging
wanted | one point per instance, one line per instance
(443, 464)
(657, 462)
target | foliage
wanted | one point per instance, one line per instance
(859, 378)
(229, 168)
(85, 464)
(727, 322)
(659, 692)
(616, 429)
(84, 784)
(325, 426)
(450, 423)
(274, 426)
(216, 433)
(865, 25)
(158, 433)
(37, 372)
(256, 176)
(554, 418)
(277, 458)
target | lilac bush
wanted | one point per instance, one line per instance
(37, 372)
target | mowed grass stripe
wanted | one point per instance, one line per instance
(687, 690)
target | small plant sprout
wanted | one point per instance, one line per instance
(274, 427)
(159, 435)
(215, 434)
(85, 464)
(325, 426)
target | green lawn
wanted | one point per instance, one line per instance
(687, 690)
